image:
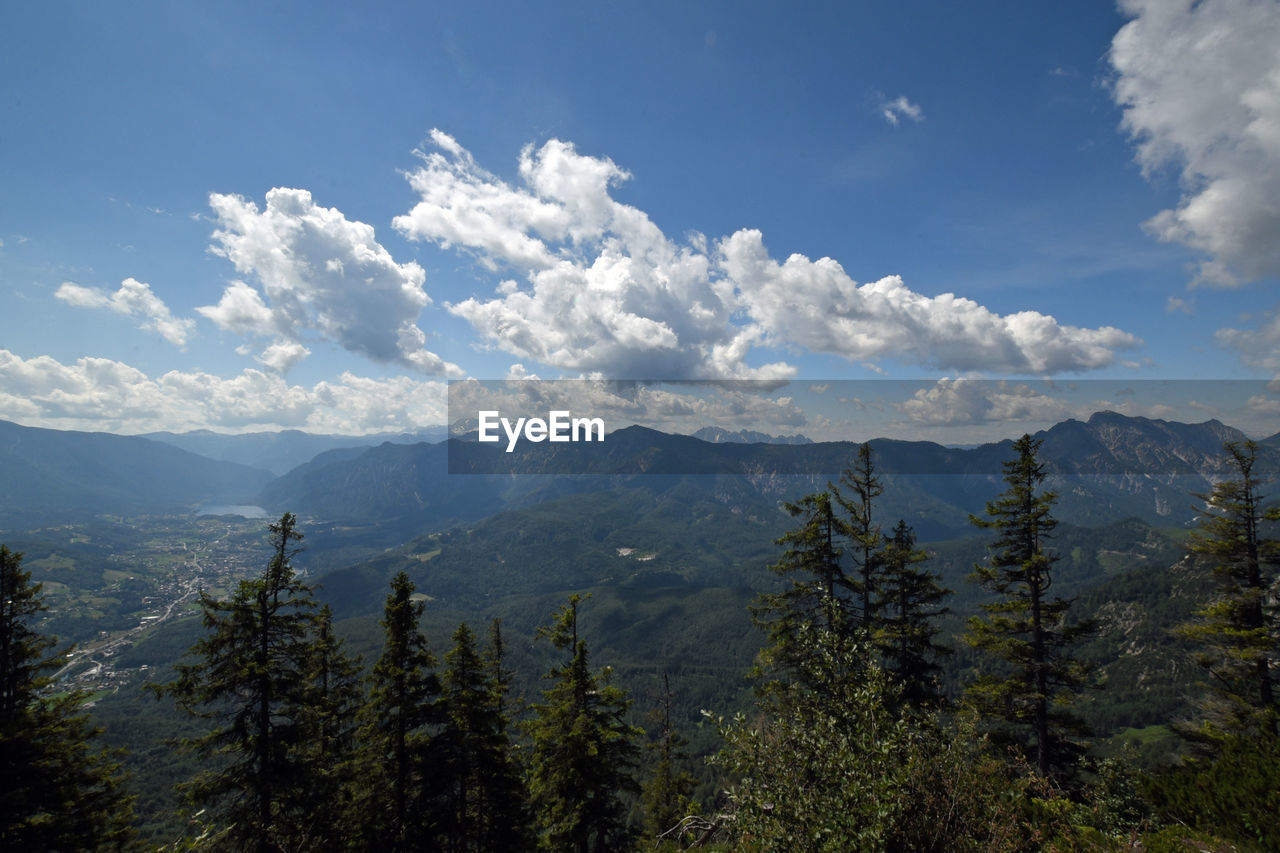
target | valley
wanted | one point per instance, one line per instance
(669, 565)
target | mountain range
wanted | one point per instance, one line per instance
(1110, 466)
(280, 452)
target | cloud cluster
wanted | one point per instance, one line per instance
(899, 108)
(1200, 87)
(956, 403)
(101, 394)
(678, 408)
(596, 286)
(319, 272)
(1258, 347)
(603, 288)
(815, 304)
(968, 401)
(133, 299)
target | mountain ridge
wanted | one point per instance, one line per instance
(63, 473)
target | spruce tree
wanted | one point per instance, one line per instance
(57, 791)
(1238, 632)
(1024, 629)
(666, 794)
(488, 809)
(583, 751)
(864, 534)
(334, 697)
(249, 676)
(909, 604)
(403, 709)
(818, 592)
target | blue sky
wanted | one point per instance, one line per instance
(253, 216)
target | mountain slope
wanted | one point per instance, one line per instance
(57, 473)
(1108, 467)
(280, 452)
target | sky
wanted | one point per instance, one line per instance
(246, 216)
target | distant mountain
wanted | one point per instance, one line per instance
(719, 435)
(63, 474)
(281, 452)
(1106, 468)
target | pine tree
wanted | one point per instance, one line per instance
(864, 534)
(819, 594)
(1025, 630)
(57, 792)
(402, 710)
(666, 795)
(909, 603)
(249, 675)
(1239, 630)
(583, 750)
(487, 804)
(334, 697)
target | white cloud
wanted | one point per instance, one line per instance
(1264, 405)
(899, 108)
(101, 394)
(966, 401)
(282, 355)
(815, 304)
(1258, 347)
(604, 290)
(133, 299)
(676, 409)
(319, 272)
(242, 311)
(1200, 87)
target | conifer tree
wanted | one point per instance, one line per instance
(909, 603)
(1024, 629)
(499, 676)
(864, 534)
(666, 795)
(818, 594)
(57, 792)
(583, 751)
(334, 698)
(403, 708)
(1239, 630)
(487, 804)
(249, 674)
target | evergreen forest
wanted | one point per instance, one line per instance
(889, 700)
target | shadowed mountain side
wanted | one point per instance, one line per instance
(281, 452)
(64, 474)
(1109, 467)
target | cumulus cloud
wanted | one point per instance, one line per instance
(1259, 347)
(675, 407)
(816, 304)
(1200, 87)
(899, 108)
(603, 290)
(319, 272)
(600, 288)
(97, 393)
(969, 401)
(965, 402)
(133, 299)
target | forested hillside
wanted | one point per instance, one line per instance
(738, 643)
